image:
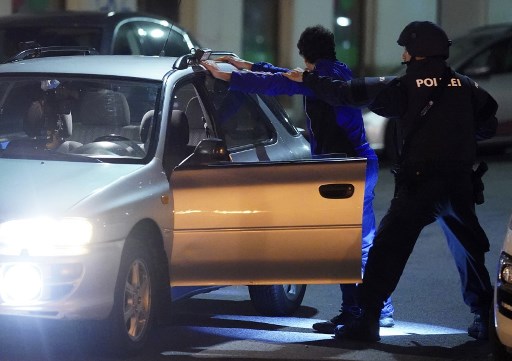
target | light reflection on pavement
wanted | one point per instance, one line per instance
(304, 333)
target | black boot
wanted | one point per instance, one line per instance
(364, 328)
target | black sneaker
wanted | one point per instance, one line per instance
(360, 329)
(329, 326)
(345, 317)
(479, 329)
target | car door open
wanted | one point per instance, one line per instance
(268, 223)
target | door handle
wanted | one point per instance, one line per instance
(336, 191)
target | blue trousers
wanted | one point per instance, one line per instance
(349, 291)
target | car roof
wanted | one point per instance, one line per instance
(67, 18)
(487, 33)
(132, 66)
(470, 44)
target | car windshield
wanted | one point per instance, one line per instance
(76, 119)
(10, 38)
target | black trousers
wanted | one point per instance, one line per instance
(420, 199)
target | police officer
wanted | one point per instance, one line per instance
(434, 181)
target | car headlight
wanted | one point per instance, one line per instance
(43, 236)
(504, 286)
(505, 269)
(505, 265)
(21, 283)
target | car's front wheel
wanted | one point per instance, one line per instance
(277, 300)
(132, 317)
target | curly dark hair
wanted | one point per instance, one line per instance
(316, 42)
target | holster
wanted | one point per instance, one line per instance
(406, 177)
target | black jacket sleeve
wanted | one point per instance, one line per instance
(390, 101)
(485, 112)
(357, 92)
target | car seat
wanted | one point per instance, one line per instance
(177, 140)
(33, 121)
(104, 112)
(197, 122)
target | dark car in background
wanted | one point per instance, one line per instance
(125, 33)
(485, 55)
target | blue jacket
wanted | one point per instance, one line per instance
(337, 129)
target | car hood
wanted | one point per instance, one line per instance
(30, 188)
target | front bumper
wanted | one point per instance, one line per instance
(503, 320)
(70, 287)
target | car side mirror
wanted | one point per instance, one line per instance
(209, 151)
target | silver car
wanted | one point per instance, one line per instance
(485, 55)
(129, 181)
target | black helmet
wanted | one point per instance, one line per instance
(424, 38)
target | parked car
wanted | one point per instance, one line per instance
(109, 33)
(501, 320)
(485, 55)
(126, 177)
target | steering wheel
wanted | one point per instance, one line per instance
(111, 138)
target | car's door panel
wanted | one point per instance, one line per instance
(253, 223)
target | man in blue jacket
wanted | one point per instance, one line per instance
(332, 129)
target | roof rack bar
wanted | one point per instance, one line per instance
(197, 55)
(218, 53)
(46, 51)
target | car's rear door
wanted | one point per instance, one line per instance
(268, 223)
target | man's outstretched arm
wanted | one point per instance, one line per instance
(357, 92)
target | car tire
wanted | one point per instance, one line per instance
(131, 320)
(277, 300)
(499, 351)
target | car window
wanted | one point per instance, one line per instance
(479, 64)
(187, 100)
(186, 125)
(149, 38)
(497, 59)
(465, 45)
(47, 36)
(239, 115)
(502, 57)
(71, 118)
(178, 44)
(126, 40)
(280, 113)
